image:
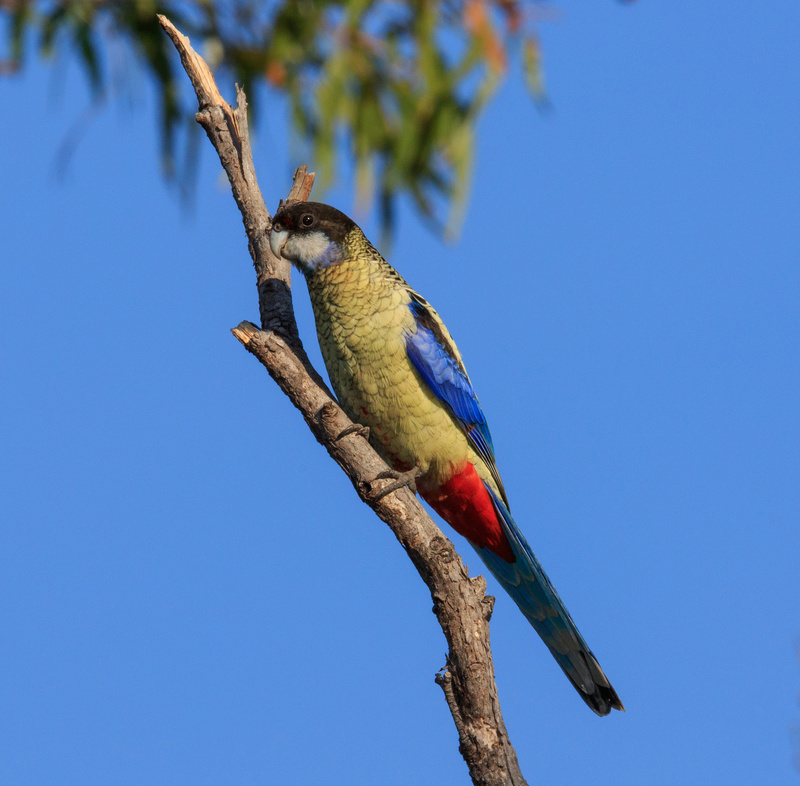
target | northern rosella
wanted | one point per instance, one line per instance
(396, 370)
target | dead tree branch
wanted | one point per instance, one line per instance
(460, 604)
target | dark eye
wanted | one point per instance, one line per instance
(307, 220)
(277, 226)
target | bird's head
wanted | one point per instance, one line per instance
(310, 235)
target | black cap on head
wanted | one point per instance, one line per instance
(313, 217)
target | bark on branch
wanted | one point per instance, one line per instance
(459, 602)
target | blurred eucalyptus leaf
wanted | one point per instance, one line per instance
(397, 87)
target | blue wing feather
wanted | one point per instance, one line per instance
(444, 374)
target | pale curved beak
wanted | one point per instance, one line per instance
(277, 240)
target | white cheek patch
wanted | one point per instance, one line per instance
(312, 250)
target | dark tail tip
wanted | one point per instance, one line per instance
(603, 700)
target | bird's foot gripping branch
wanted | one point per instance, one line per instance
(399, 480)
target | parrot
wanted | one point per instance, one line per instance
(396, 370)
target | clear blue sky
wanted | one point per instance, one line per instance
(190, 591)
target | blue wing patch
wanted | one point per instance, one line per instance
(437, 364)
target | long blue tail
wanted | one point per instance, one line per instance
(527, 583)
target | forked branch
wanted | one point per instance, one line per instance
(459, 602)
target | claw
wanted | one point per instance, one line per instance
(356, 428)
(399, 479)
